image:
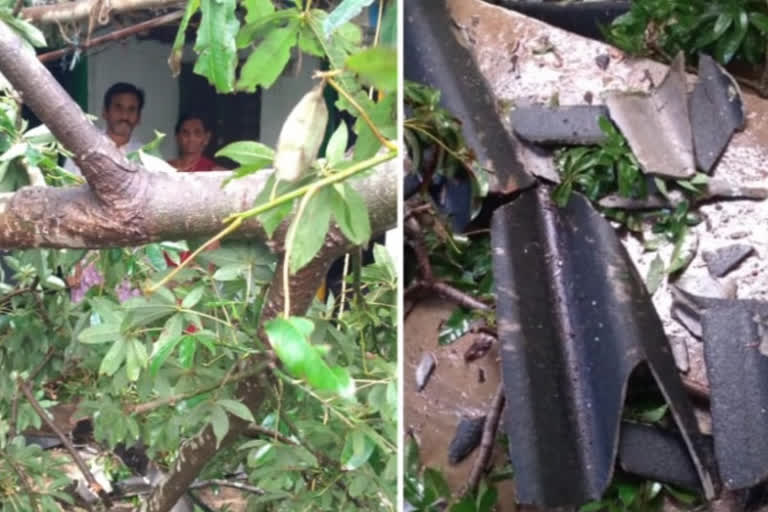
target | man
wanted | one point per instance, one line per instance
(122, 112)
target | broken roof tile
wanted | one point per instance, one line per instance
(716, 112)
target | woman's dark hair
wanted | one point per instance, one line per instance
(192, 115)
(123, 88)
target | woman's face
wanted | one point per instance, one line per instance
(192, 137)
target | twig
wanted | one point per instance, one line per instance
(17, 7)
(385, 142)
(453, 294)
(113, 36)
(23, 479)
(171, 400)
(416, 240)
(227, 483)
(486, 444)
(15, 402)
(254, 430)
(92, 483)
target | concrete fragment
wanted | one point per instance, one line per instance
(716, 112)
(574, 125)
(725, 259)
(656, 125)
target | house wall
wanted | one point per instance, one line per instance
(144, 63)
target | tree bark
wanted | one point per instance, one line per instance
(123, 204)
(81, 9)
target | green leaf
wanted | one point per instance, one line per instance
(257, 9)
(724, 21)
(311, 229)
(136, 359)
(344, 13)
(655, 275)
(337, 145)
(166, 343)
(155, 256)
(289, 342)
(383, 116)
(114, 358)
(230, 272)
(192, 298)
(376, 66)
(237, 408)
(219, 423)
(389, 26)
(759, 21)
(594, 506)
(25, 29)
(729, 44)
(100, 334)
(358, 448)
(435, 481)
(271, 219)
(187, 351)
(487, 500)
(177, 51)
(267, 61)
(457, 325)
(215, 44)
(350, 213)
(248, 153)
(653, 415)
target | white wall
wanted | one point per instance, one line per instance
(144, 64)
(278, 100)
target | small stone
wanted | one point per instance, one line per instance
(725, 259)
(602, 61)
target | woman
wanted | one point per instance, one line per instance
(192, 136)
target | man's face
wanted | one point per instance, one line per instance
(122, 115)
(192, 137)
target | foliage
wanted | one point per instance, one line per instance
(627, 494)
(611, 168)
(426, 490)
(432, 128)
(598, 171)
(727, 29)
(159, 367)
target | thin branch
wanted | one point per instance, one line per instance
(92, 483)
(23, 479)
(254, 430)
(487, 442)
(81, 9)
(113, 36)
(447, 292)
(227, 483)
(387, 143)
(17, 7)
(172, 400)
(415, 236)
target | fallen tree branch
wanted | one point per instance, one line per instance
(113, 36)
(75, 11)
(92, 483)
(486, 444)
(195, 453)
